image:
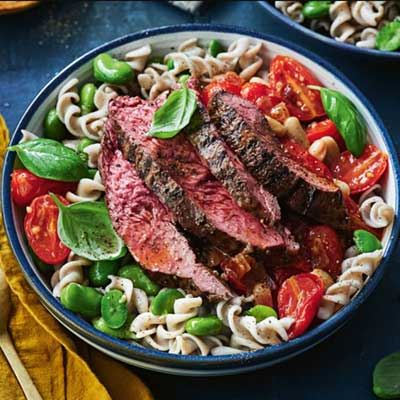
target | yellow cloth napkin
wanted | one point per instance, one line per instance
(48, 352)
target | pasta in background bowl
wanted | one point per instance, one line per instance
(349, 25)
(62, 91)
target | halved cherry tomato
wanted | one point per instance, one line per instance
(303, 157)
(235, 269)
(230, 82)
(290, 81)
(363, 172)
(41, 230)
(25, 187)
(299, 298)
(325, 249)
(281, 274)
(261, 95)
(317, 130)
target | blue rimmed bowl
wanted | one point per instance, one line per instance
(162, 39)
(393, 55)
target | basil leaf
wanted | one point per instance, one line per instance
(174, 114)
(50, 159)
(388, 37)
(86, 229)
(386, 377)
(347, 119)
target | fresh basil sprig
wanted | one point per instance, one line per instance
(174, 114)
(86, 229)
(347, 119)
(388, 37)
(386, 377)
(50, 159)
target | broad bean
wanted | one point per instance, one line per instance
(204, 326)
(139, 278)
(81, 299)
(109, 70)
(53, 127)
(163, 303)
(260, 312)
(86, 98)
(99, 271)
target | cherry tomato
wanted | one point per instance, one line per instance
(235, 269)
(261, 95)
(303, 157)
(317, 130)
(230, 82)
(325, 249)
(281, 274)
(25, 187)
(41, 230)
(290, 81)
(299, 297)
(363, 172)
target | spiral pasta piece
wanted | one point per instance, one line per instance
(367, 38)
(367, 13)
(246, 332)
(70, 272)
(87, 190)
(243, 54)
(135, 298)
(292, 9)
(340, 14)
(355, 272)
(137, 58)
(376, 213)
(325, 149)
(67, 107)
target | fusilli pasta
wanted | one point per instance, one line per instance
(87, 190)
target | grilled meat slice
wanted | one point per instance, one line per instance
(146, 225)
(175, 161)
(229, 170)
(245, 130)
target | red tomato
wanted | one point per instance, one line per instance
(303, 157)
(325, 249)
(290, 81)
(230, 82)
(261, 95)
(317, 130)
(25, 187)
(363, 172)
(299, 298)
(281, 274)
(235, 269)
(41, 230)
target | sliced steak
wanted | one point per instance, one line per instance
(229, 170)
(176, 163)
(245, 130)
(146, 225)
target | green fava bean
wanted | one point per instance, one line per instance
(114, 309)
(163, 303)
(53, 127)
(99, 271)
(139, 279)
(109, 70)
(215, 48)
(170, 64)
(204, 326)
(261, 312)
(83, 143)
(316, 9)
(86, 98)
(81, 299)
(120, 333)
(366, 242)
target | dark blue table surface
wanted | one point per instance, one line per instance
(37, 44)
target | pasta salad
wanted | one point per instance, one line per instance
(205, 201)
(366, 24)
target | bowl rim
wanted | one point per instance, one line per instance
(326, 39)
(194, 362)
